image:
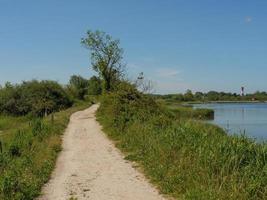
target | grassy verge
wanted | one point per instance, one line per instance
(29, 151)
(184, 158)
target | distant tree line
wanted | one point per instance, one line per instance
(79, 87)
(215, 96)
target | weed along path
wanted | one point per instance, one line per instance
(90, 167)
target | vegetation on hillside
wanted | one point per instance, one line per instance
(186, 159)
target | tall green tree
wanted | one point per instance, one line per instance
(188, 96)
(106, 57)
(78, 86)
(94, 87)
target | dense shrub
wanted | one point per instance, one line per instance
(33, 97)
(188, 112)
(94, 87)
(186, 159)
(78, 87)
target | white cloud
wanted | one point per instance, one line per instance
(167, 73)
(248, 19)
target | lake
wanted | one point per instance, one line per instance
(238, 118)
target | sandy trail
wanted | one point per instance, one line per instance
(90, 167)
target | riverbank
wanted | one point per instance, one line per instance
(185, 158)
(204, 102)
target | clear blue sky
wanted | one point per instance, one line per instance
(178, 44)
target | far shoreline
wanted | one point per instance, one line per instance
(220, 102)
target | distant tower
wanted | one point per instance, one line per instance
(242, 91)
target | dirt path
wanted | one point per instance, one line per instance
(90, 167)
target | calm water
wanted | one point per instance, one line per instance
(237, 118)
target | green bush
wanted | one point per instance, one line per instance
(94, 87)
(188, 112)
(79, 87)
(33, 97)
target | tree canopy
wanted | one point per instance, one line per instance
(38, 98)
(106, 57)
(78, 86)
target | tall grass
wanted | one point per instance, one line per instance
(184, 158)
(30, 148)
(190, 113)
(187, 111)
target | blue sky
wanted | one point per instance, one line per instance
(178, 44)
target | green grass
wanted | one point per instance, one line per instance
(185, 158)
(30, 148)
(8, 123)
(187, 111)
(190, 113)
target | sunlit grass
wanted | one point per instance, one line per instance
(184, 158)
(30, 148)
